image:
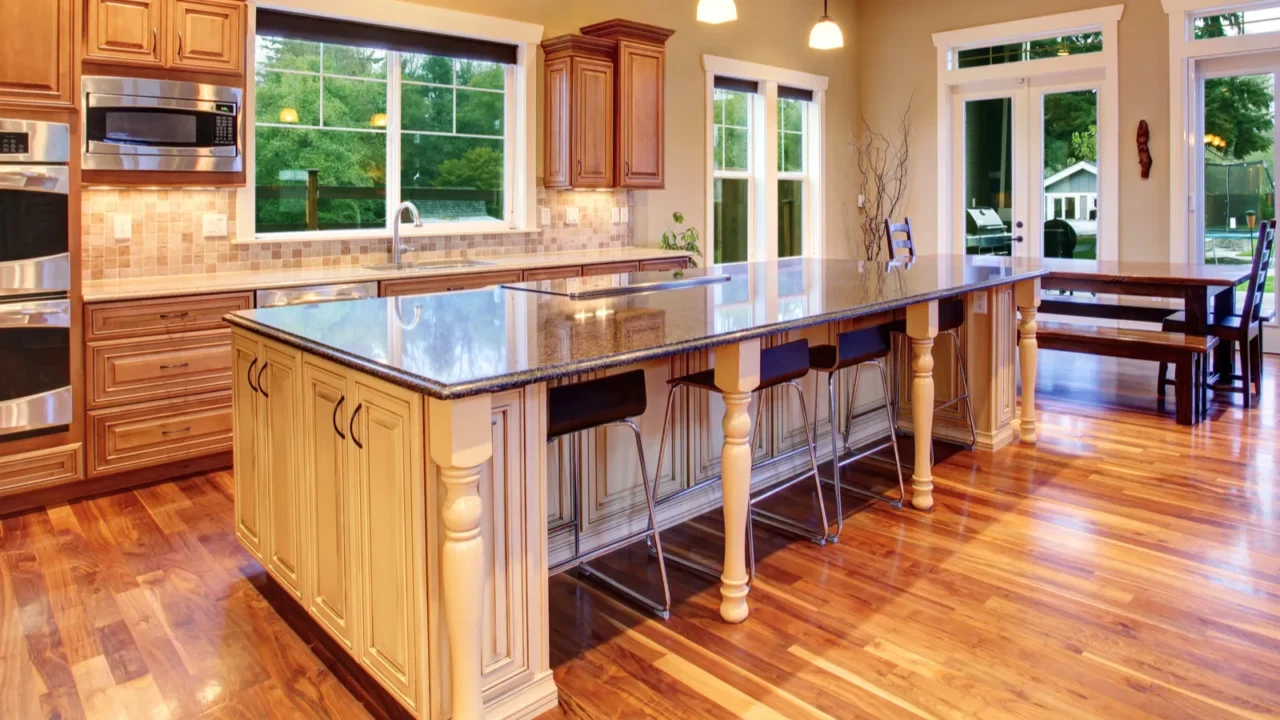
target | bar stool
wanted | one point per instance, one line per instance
(604, 402)
(858, 349)
(782, 365)
(950, 320)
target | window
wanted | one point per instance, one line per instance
(350, 120)
(1063, 46)
(793, 109)
(732, 111)
(1247, 22)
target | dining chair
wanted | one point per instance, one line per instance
(950, 320)
(1245, 329)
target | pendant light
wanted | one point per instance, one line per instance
(714, 12)
(826, 34)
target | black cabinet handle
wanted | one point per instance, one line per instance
(352, 427)
(262, 389)
(248, 376)
(336, 408)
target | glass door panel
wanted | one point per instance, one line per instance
(987, 164)
(1068, 177)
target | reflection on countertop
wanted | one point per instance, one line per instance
(167, 285)
(495, 338)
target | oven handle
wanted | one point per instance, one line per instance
(36, 313)
(123, 101)
(44, 178)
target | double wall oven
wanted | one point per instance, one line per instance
(35, 278)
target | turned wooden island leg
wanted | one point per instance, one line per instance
(461, 440)
(1027, 297)
(737, 374)
(922, 328)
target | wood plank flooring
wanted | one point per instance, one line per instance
(1126, 567)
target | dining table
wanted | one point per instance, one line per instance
(1206, 291)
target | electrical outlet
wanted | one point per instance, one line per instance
(572, 216)
(544, 216)
(121, 227)
(626, 215)
(616, 215)
(980, 303)
(215, 225)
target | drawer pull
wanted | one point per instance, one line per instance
(336, 408)
(352, 427)
(262, 389)
(174, 316)
(249, 375)
(179, 431)
(174, 367)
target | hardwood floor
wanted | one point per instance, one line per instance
(1125, 567)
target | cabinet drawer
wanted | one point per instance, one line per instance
(132, 318)
(154, 369)
(611, 268)
(552, 273)
(449, 283)
(661, 265)
(39, 468)
(157, 433)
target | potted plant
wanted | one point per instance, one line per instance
(686, 240)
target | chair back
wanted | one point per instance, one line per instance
(890, 229)
(1262, 257)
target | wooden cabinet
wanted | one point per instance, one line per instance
(195, 35)
(664, 265)
(449, 283)
(127, 30)
(249, 486)
(207, 35)
(37, 52)
(611, 268)
(28, 471)
(150, 434)
(556, 273)
(279, 462)
(130, 370)
(161, 316)
(606, 107)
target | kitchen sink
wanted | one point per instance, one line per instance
(446, 264)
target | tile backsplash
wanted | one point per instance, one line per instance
(167, 237)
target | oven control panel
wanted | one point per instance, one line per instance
(14, 143)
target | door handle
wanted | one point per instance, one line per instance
(351, 428)
(179, 43)
(155, 40)
(179, 431)
(248, 376)
(1017, 238)
(626, 168)
(336, 408)
(174, 367)
(262, 389)
(579, 168)
(173, 316)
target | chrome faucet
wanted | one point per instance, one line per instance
(397, 248)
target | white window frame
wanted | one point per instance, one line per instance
(1102, 19)
(520, 134)
(753, 103)
(802, 175)
(763, 208)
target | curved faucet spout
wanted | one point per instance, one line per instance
(397, 247)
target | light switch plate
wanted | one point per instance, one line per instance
(626, 215)
(544, 217)
(572, 216)
(122, 226)
(215, 225)
(616, 216)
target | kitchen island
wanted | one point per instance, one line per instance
(393, 475)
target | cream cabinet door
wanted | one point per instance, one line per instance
(330, 493)
(278, 384)
(388, 467)
(246, 439)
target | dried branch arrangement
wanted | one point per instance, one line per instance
(882, 165)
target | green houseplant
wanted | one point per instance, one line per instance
(686, 240)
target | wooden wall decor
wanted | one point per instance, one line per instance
(1144, 148)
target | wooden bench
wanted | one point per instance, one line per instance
(1136, 309)
(1187, 353)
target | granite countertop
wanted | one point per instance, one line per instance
(166, 285)
(452, 345)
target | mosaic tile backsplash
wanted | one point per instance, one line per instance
(167, 237)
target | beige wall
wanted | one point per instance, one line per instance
(772, 32)
(896, 58)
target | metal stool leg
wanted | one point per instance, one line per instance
(964, 382)
(893, 435)
(787, 524)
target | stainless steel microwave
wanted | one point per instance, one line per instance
(162, 125)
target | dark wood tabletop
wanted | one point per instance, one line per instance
(1122, 271)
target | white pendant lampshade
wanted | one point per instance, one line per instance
(826, 35)
(715, 12)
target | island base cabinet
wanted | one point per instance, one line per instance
(354, 533)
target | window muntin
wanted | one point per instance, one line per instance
(1062, 46)
(1246, 22)
(325, 137)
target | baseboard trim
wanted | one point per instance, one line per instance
(85, 489)
(529, 701)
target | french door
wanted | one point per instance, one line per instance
(1235, 114)
(1025, 167)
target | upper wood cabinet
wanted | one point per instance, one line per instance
(37, 52)
(195, 35)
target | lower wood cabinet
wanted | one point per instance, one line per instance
(40, 468)
(149, 434)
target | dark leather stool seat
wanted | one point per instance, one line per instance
(592, 403)
(950, 315)
(854, 348)
(778, 365)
